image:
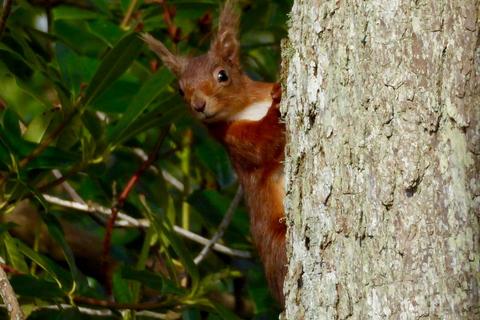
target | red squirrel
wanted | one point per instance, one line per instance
(243, 115)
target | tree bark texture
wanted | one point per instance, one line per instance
(382, 108)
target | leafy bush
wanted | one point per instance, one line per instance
(90, 125)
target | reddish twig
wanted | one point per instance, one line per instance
(119, 204)
(168, 14)
(9, 269)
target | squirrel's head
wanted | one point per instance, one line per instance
(210, 83)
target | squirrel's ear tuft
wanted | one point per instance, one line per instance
(226, 44)
(175, 63)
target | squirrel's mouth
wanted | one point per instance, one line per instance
(209, 117)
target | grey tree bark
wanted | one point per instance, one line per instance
(382, 106)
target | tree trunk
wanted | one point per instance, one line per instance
(382, 108)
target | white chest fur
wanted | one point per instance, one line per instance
(253, 112)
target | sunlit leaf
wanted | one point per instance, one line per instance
(38, 127)
(15, 257)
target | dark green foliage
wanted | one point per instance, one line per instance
(80, 93)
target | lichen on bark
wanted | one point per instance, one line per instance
(382, 107)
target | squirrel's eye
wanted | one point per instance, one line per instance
(222, 76)
(180, 92)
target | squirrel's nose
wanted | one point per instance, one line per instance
(199, 106)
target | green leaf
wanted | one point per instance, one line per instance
(14, 255)
(38, 127)
(56, 232)
(38, 63)
(121, 289)
(147, 278)
(37, 93)
(165, 230)
(74, 34)
(212, 280)
(113, 65)
(157, 118)
(151, 89)
(15, 63)
(11, 122)
(93, 124)
(29, 286)
(73, 13)
(51, 158)
(75, 69)
(191, 314)
(212, 204)
(117, 97)
(105, 30)
(214, 157)
(61, 276)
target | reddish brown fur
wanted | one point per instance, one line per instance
(256, 148)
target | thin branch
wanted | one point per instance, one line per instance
(128, 15)
(107, 312)
(173, 181)
(121, 200)
(73, 170)
(218, 247)
(7, 8)
(95, 208)
(166, 175)
(118, 305)
(9, 269)
(9, 297)
(124, 220)
(84, 310)
(170, 315)
(68, 188)
(221, 227)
